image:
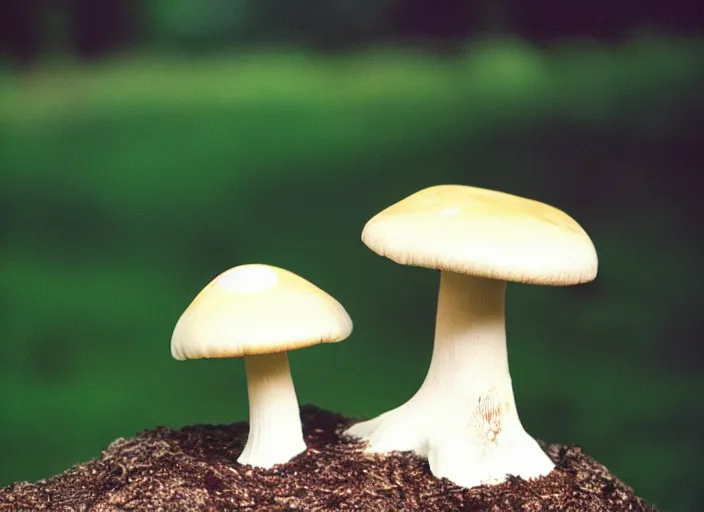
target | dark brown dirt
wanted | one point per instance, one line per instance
(195, 468)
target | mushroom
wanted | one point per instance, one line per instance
(260, 312)
(463, 418)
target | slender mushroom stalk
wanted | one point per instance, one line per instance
(275, 433)
(260, 312)
(463, 418)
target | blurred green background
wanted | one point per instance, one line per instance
(147, 146)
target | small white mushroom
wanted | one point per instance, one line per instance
(260, 312)
(464, 418)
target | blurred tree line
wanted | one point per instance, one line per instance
(91, 29)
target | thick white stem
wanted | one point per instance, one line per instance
(463, 418)
(275, 433)
(469, 355)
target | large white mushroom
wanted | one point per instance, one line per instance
(464, 418)
(260, 312)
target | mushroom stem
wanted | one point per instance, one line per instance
(469, 354)
(463, 418)
(275, 432)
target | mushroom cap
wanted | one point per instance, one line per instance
(257, 309)
(484, 233)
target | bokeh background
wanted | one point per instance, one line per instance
(146, 146)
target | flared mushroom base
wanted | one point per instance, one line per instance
(468, 448)
(463, 418)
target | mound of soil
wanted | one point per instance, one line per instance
(196, 468)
